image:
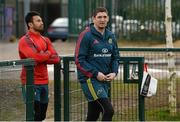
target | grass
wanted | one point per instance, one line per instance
(162, 114)
(12, 106)
(124, 99)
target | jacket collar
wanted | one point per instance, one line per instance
(33, 34)
(95, 32)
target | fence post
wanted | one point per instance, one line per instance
(109, 8)
(29, 93)
(66, 88)
(57, 92)
(126, 62)
(141, 98)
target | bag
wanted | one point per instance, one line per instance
(149, 84)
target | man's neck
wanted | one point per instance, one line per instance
(35, 32)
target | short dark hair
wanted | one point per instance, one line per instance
(100, 9)
(29, 17)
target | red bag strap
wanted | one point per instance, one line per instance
(145, 67)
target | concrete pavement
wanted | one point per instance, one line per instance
(9, 51)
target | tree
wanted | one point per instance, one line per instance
(171, 59)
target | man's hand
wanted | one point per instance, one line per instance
(110, 76)
(101, 76)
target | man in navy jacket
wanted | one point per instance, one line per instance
(96, 57)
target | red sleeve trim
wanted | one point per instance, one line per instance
(89, 74)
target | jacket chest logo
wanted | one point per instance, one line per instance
(95, 41)
(110, 41)
(104, 50)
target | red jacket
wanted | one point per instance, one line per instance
(40, 49)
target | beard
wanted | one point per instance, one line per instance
(101, 26)
(39, 29)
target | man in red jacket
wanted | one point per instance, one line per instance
(34, 45)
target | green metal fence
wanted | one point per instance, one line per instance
(7, 90)
(125, 96)
(70, 103)
(156, 108)
(124, 93)
(130, 19)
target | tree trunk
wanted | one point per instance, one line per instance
(171, 60)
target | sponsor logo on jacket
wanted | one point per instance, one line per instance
(103, 54)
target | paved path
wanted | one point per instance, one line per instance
(9, 51)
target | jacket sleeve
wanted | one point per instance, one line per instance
(115, 57)
(81, 53)
(54, 58)
(28, 50)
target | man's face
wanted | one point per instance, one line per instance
(101, 20)
(37, 24)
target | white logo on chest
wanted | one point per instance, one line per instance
(99, 91)
(104, 50)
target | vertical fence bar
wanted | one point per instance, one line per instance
(66, 88)
(17, 19)
(57, 92)
(109, 8)
(141, 98)
(29, 93)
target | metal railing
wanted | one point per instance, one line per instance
(29, 100)
(70, 103)
(124, 95)
(75, 105)
(131, 20)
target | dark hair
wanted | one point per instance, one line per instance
(99, 9)
(29, 17)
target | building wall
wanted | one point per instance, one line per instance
(49, 11)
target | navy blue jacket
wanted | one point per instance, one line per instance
(96, 53)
